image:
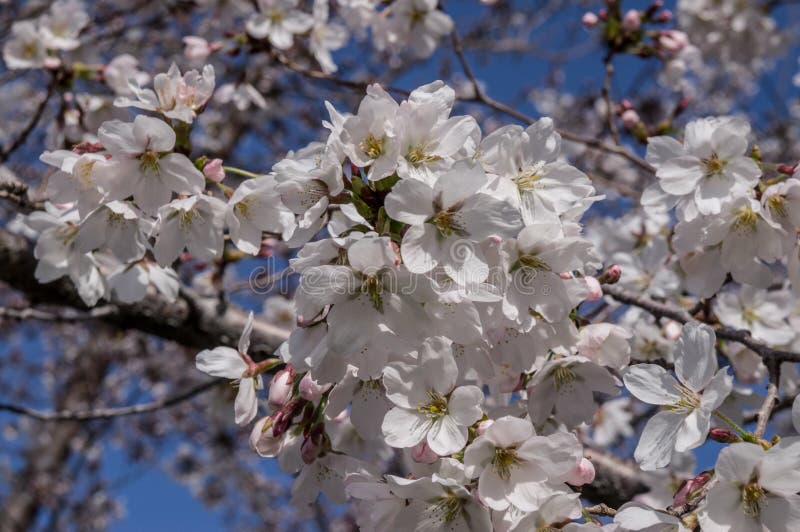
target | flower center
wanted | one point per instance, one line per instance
(418, 156)
(372, 286)
(714, 165)
(187, 218)
(372, 146)
(527, 178)
(564, 377)
(753, 496)
(436, 406)
(448, 223)
(534, 263)
(448, 507)
(746, 219)
(148, 162)
(777, 205)
(276, 17)
(243, 208)
(504, 461)
(688, 402)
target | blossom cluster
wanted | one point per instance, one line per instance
(441, 268)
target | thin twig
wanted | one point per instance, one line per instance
(663, 310)
(23, 135)
(612, 124)
(771, 398)
(108, 413)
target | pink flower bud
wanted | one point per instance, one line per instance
(632, 21)
(309, 451)
(664, 16)
(196, 48)
(723, 435)
(786, 168)
(422, 454)
(310, 390)
(280, 389)
(565, 275)
(672, 330)
(595, 290)
(52, 63)
(630, 118)
(589, 19)
(672, 41)
(690, 489)
(582, 474)
(213, 170)
(483, 426)
(262, 440)
(611, 275)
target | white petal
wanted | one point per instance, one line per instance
(652, 384)
(404, 428)
(221, 362)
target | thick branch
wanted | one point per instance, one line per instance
(108, 413)
(60, 317)
(191, 320)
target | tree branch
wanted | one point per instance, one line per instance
(663, 310)
(23, 135)
(61, 317)
(107, 413)
(191, 320)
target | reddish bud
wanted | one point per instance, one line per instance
(786, 168)
(723, 435)
(611, 275)
(589, 19)
(690, 489)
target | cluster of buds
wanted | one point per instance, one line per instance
(625, 31)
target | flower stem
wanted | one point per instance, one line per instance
(244, 173)
(746, 436)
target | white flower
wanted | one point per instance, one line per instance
(326, 36)
(194, 223)
(429, 142)
(565, 388)
(368, 137)
(62, 24)
(708, 166)
(755, 490)
(514, 464)
(688, 402)
(427, 403)
(253, 208)
(59, 256)
(143, 164)
(413, 23)
(736, 240)
(445, 502)
(762, 312)
(241, 94)
(279, 20)
(280, 311)
(637, 516)
(117, 225)
(229, 363)
(174, 96)
(120, 70)
(605, 344)
(25, 48)
(86, 179)
(533, 263)
(531, 174)
(447, 220)
(553, 511)
(129, 282)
